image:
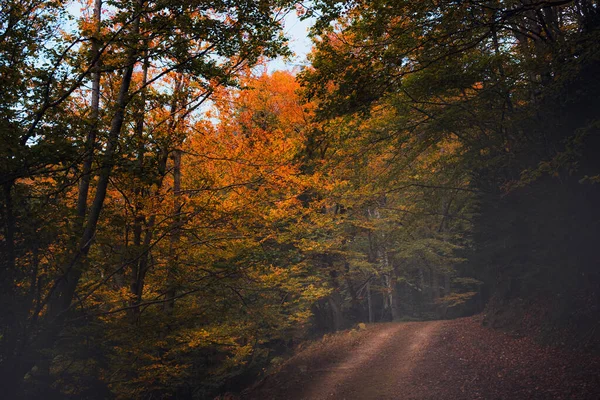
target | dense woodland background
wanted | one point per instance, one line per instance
(174, 219)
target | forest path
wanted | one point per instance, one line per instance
(381, 368)
(435, 360)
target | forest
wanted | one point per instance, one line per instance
(176, 217)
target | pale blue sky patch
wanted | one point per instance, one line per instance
(299, 42)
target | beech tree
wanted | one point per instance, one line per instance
(51, 113)
(500, 79)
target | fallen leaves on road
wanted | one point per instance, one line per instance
(469, 361)
(461, 360)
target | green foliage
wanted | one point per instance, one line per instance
(510, 86)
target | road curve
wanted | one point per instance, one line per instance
(434, 360)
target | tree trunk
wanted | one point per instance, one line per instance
(9, 236)
(435, 285)
(175, 234)
(88, 160)
(10, 368)
(447, 287)
(138, 268)
(337, 318)
(61, 295)
(355, 303)
(423, 296)
(369, 304)
(171, 288)
(393, 298)
(65, 287)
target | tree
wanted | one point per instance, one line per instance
(211, 44)
(498, 77)
(398, 211)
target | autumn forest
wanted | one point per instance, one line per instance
(177, 218)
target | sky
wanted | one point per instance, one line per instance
(300, 44)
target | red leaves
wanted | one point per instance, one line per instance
(475, 362)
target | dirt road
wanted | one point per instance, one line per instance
(457, 359)
(381, 369)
